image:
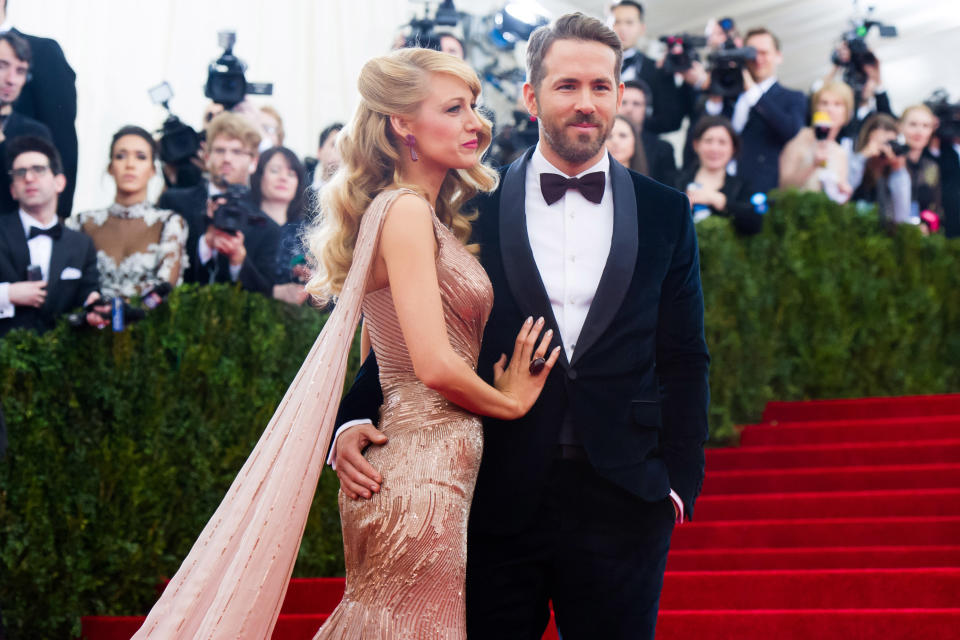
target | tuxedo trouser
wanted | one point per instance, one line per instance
(594, 549)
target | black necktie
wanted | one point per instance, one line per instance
(54, 232)
(554, 186)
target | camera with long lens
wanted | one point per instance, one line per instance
(235, 210)
(178, 143)
(854, 69)
(226, 82)
(726, 68)
(948, 113)
(681, 51)
(422, 33)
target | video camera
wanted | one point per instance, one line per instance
(681, 51)
(235, 210)
(179, 142)
(421, 29)
(854, 69)
(948, 113)
(726, 68)
(226, 83)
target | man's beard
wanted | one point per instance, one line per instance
(582, 147)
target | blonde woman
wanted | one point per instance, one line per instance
(391, 241)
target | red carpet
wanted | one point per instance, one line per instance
(833, 520)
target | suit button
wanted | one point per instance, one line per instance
(572, 374)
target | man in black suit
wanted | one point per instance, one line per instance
(247, 256)
(67, 260)
(15, 57)
(661, 163)
(50, 96)
(668, 101)
(575, 503)
(767, 115)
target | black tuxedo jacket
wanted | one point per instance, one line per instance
(261, 241)
(744, 217)
(636, 388)
(71, 249)
(17, 125)
(50, 96)
(661, 161)
(773, 121)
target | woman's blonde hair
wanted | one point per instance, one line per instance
(838, 89)
(916, 107)
(394, 84)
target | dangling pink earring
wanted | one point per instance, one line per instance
(410, 142)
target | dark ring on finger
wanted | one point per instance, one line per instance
(537, 366)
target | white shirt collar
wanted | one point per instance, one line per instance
(29, 221)
(766, 84)
(540, 164)
(6, 26)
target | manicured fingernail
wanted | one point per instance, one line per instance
(549, 332)
(539, 321)
(528, 320)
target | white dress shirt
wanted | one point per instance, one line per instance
(747, 100)
(570, 240)
(41, 248)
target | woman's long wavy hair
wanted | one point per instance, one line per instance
(394, 84)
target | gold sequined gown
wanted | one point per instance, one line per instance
(405, 549)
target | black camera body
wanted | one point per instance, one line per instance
(726, 69)
(947, 113)
(681, 51)
(898, 148)
(422, 34)
(235, 211)
(226, 80)
(854, 70)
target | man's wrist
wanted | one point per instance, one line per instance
(332, 455)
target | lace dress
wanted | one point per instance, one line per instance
(138, 247)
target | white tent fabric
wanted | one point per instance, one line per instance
(312, 51)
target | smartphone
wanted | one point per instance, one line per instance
(34, 273)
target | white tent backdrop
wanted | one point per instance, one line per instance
(312, 51)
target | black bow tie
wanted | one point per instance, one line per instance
(629, 61)
(54, 232)
(554, 186)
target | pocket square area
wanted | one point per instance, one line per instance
(70, 273)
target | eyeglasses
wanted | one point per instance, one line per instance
(234, 153)
(38, 170)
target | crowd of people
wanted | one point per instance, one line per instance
(237, 213)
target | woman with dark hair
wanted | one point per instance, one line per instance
(712, 191)
(278, 188)
(625, 146)
(138, 246)
(878, 169)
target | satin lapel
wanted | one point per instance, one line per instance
(58, 261)
(621, 262)
(520, 268)
(13, 230)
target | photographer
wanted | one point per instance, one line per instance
(667, 100)
(238, 244)
(767, 115)
(878, 170)
(45, 269)
(917, 125)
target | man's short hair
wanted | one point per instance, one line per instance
(572, 26)
(25, 144)
(629, 3)
(329, 129)
(640, 85)
(762, 31)
(19, 44)
(232, 125)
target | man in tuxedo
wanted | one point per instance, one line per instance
(668, 101)
(575, 503)
(15, 57)
(67, 260)
(50, 97)
(247, 256)
(767, 115)
(661, 163)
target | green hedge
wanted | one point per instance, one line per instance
(123, 444)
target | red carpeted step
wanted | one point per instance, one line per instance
(861, 408)
(810, 624)
(825, 532)
(835, 455)
(920, 476)
(840, 431)
(739, 559)
(829, 504)
(813, 589)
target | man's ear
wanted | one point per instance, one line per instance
(530, 100)
(60, 182)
